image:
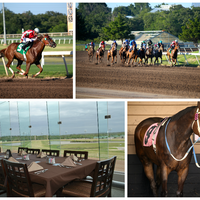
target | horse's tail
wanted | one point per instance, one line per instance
(2, 53)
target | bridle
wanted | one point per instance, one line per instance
(196, 119)
(49, 41)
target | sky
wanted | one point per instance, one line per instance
(76, 117)
(36, 8)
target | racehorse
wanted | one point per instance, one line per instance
(99, 54)
(169, 148)
(33, 55)
(158, 53)
(113, 54)
(173, 55)
(149, 54)
(122, 54)
(141, 55)
(132, 55)
(91, 53)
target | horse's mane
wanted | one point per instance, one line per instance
(178, 115)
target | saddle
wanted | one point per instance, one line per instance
(151, 134)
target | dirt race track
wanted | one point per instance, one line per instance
(36, 88)
(123, 81)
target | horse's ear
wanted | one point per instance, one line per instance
(198, 104)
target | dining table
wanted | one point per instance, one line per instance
(55, 176)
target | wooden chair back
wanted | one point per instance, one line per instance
(2, 178)
(78, 154)
(33, 151)
(18, 179)
(22, 148)
(49, 152)
(102, 180)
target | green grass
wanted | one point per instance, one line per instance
(48, 71)
(107, 149)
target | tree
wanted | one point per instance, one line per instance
(191, 32)
(117, 29)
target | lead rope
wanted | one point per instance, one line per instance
(186, 154)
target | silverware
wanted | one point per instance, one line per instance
(41, 171)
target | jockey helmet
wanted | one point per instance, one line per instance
(176, 40)
(114, 41)
(155, 45)
(161, 41)
(37, 30)
(91, 42)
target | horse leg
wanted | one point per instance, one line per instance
(158, 178)
(182, 175)
(148, 169)
(41, 69)
(8, 66)
(164, 177)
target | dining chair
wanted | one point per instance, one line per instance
(100, 186)
(78, 154)
(33, 151)
(3, 188)
(49, 152)
(22, 148)
(19, 183)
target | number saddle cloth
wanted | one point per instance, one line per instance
(151, 134)
(20, 50)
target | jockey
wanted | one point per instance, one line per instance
(86, 48)
(172, 45)
(92, 45)
(159, 43)
(132, 42)
(102, 44)
(150, 44)
(29, 36)
(114, 42)
(144, 45)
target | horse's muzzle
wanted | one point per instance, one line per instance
(53, 45)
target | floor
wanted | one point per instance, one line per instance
(116, 192)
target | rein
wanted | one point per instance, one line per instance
(186, 154)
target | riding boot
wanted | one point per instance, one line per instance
(26, 45)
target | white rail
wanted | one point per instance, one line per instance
(57, 53)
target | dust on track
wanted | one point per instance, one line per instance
(162, 81)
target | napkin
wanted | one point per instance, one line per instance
(34, 167)
(12, 160)
(68, 162)
(74, 158)
(22, 153)
(41, 155)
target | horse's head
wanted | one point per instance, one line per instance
(195, 124)
(48, 41)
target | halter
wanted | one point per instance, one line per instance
(186, 154)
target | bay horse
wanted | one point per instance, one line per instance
(99, 54)
(113, 54)
(91, 53)
(173, 55)
(132, 55)
(141, 55)
(149, 54)
(158, 53)
(33, 55)
(172, 143)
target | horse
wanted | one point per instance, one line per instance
(33, 55)
(149, 54)
(132, 55)
(122, 53)
(91, 53)
(158, 53)
(169, 152)
(173, 55)
(99, 54)
(141, 55)
(112, 53)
